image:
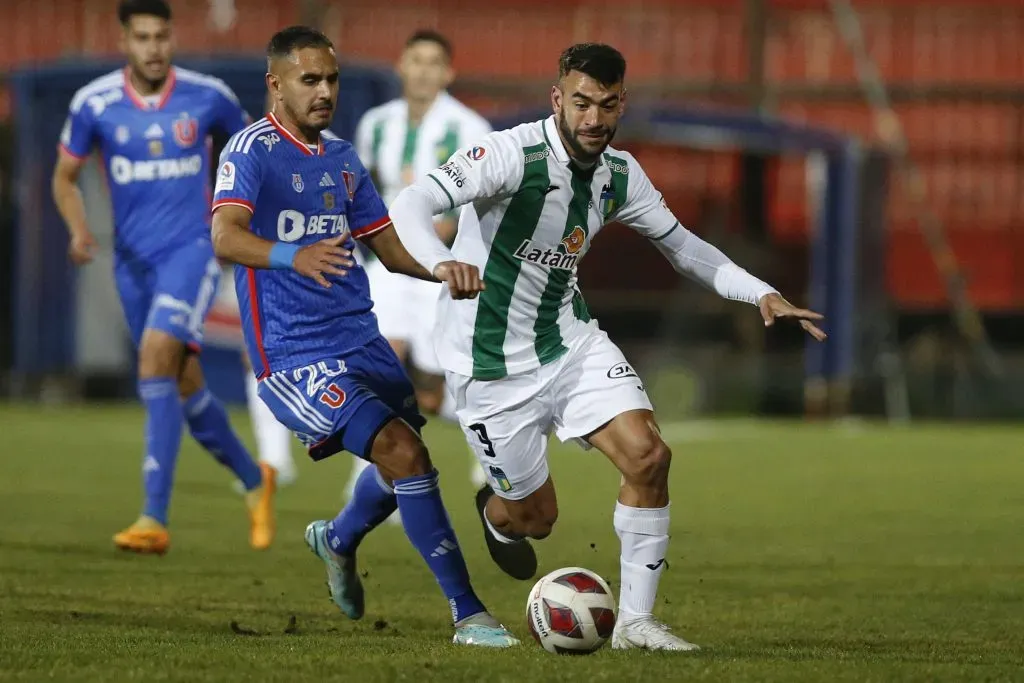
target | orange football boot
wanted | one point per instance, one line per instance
(261, 510)
(146, 536)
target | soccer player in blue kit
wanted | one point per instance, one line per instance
(288, 199)
(151, 122)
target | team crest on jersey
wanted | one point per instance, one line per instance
(186, 130)
(297, 183)
(350, 183)
(328, 200)
(122, 135)
(574, 241)
(608, 203)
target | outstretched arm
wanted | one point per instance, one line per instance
(412, 214)
(646, 212)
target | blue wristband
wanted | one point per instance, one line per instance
(282, 255)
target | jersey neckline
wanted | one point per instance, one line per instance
(303, 147)
(140, 101)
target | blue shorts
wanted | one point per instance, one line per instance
(342, 403)
(172, 296)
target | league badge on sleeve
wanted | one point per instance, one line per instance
(226, 178)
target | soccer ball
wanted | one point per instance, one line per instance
(571, 611)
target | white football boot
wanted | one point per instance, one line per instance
(648, 633)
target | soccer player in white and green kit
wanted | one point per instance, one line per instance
(398, 142)
(525, 358)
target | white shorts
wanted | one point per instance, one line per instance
(406, 310)
(507, 421)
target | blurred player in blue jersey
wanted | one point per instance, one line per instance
(151, 123)
(289, 198)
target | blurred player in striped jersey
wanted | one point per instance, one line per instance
(398, 142)
(151, 122)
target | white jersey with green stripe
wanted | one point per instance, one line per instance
(397, 154)
(529, 217)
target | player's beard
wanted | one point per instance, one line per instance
(154, 84)
(579, 152)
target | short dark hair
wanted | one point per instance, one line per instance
(288, 40)
(603, 63)
(127, 9)
(429, 35)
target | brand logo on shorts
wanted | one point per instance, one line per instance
(500, 479)
(621, 370)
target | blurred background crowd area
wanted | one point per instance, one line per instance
(953, 70)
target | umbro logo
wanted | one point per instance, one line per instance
(326, 181)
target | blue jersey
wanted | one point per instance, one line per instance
(301, 195)
(156, 154)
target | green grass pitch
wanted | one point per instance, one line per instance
(799, 553)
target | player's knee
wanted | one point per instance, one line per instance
(160, 355)
(648, 463)
(399, 453)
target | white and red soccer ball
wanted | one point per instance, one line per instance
(571, 611)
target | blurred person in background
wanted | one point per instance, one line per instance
(151, 122)
(398, 142)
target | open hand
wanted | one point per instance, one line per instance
(326, 257)
(82, 248)
(774, 306)
(463, 279)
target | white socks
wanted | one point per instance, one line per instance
(273, 439)
(644, 536)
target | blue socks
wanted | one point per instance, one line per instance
(163, 437)
(428, 527)
(372, 502)
(208, 422)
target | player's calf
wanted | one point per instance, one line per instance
(632, 442)
(531, 517)
(209, 425)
